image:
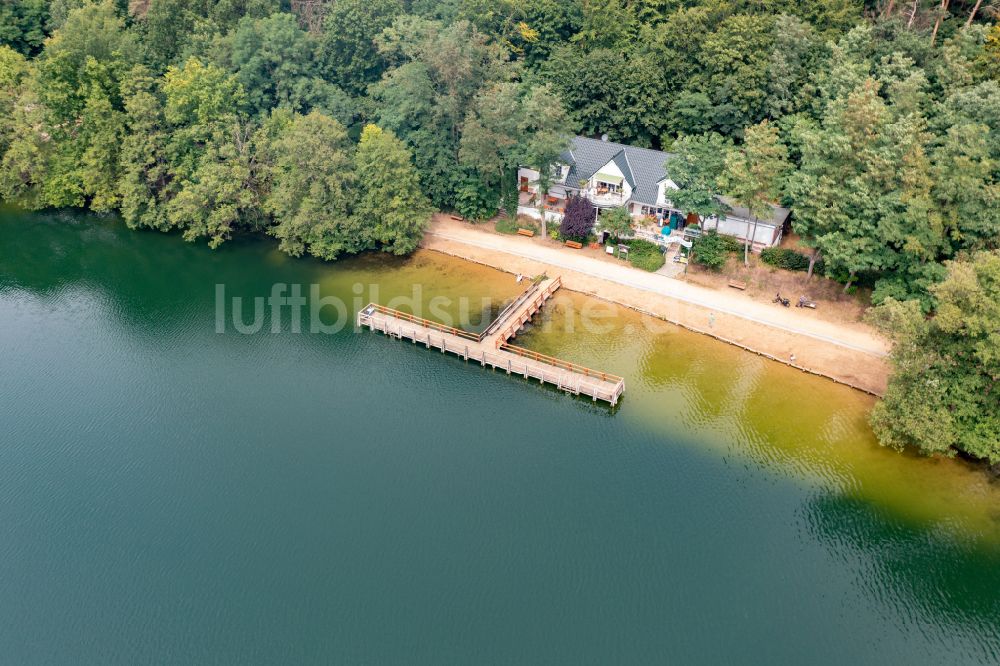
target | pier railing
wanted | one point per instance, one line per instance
(509, 310)
(559, 363)
(536, 302)
(532, 294)
(491, 349)
(419, 321)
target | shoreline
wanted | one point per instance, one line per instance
(842, 361)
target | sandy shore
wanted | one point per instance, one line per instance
(851, 352)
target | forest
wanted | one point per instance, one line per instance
(338, 126)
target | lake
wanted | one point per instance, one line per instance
(171, 494)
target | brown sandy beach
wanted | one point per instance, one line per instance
(848, 352)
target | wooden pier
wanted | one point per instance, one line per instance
(491, 347)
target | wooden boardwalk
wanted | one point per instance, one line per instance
(491, 347)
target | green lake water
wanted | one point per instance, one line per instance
(174, 495)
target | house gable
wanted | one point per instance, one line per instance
(642, 169)
(611, 169)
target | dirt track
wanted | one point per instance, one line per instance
(851, 353)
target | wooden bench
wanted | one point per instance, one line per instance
(525, 232)
(738, 284)
(458, 217)
(574, 245)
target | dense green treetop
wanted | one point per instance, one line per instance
(347, 49)
(313, 177)
(695, 168)
(22, 25)
(944, 395)
(392, 210)
(754, 173)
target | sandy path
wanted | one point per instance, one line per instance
(848, 352)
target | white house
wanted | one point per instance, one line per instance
(612, 175)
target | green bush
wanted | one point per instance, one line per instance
(731, 244)
(645, 255)
(711, 250)
(475, 202)
(790, 260)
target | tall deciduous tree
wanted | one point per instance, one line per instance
(350, 57)
(695, 166)
(13, 71)
(490, 134)
(63, 150)
(944, 395)
(734, 64)
(988, 61)
(513, 124)
(223, 192)
(611, 91)
(392, 211)
(427, 97)
(966, 186)
(23, 169)
(839, 189)
(542, 127)
(87, 45)
(22, 24)
(754, 174)
(201, 103)
(210, 154)
(312, 182)
(167, 29)
(795, 56)
(102, 128)
(274, 62)
(146, 181)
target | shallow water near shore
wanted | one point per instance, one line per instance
(172, 494)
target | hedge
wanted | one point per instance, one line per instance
(790, 260)
(645, 255)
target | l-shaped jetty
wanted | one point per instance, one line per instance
(492, 347)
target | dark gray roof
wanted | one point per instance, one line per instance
(643, 168)
(622, 163)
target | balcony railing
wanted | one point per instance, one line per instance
(605, 198)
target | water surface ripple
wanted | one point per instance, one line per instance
(171, 495)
